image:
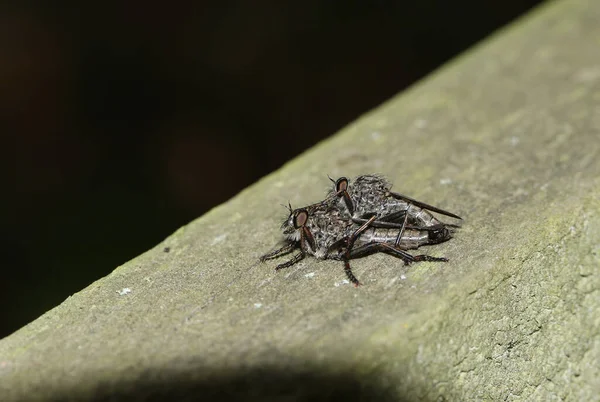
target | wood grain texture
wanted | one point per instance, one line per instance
(507, 136)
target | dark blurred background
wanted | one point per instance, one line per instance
(117, 117)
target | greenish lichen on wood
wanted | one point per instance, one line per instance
(507, 136)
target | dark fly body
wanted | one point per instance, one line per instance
(312, 230)
(371, 195)
(359, 220)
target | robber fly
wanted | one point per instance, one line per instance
(343, 228)
(371, 195)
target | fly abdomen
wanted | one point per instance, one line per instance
(411, 238)
(422, 217)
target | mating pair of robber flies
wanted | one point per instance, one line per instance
(358, 218)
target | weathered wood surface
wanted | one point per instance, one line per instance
(507, 136)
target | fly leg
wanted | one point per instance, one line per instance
(306, 242)
(297, 258)
(372, 248)
(286, 249)
(397, 242)
(402, 225)
(349, 245)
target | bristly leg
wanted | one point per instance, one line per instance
(372, 248)
(397, 242)
(352, 239)
(297, 258)
(349, 245)
(349, 274)
(286, 249)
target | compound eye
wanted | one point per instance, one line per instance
(300, 218)
(341, 184)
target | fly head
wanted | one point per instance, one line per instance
(295, 228)
(340, 190)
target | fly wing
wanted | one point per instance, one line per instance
(395, 220)
(396, 217)
(423, 205)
